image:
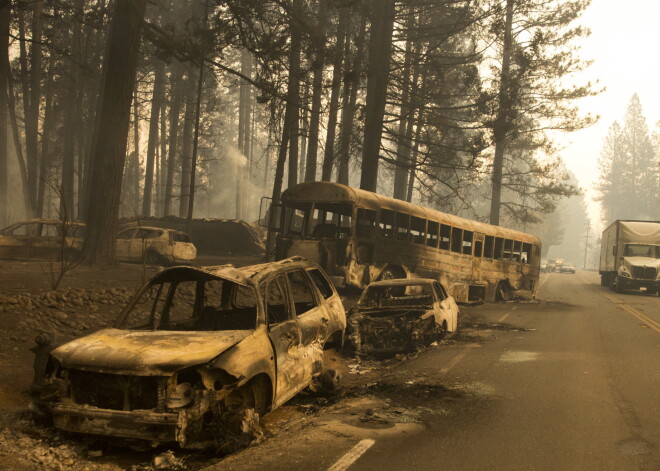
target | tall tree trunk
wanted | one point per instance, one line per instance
(187, 144)
(176, 90)
(380, 51)
(243, 119)
(44, 160)
(337, 63)
(317, 94)
(293, 95)
(402, 148)
(109, 153)
(136, 154)
(195, 148)
(160, 190)
(5, 11)
(348, 113)
(32, 118)
(71, 116)
(500, 130)
(156, 102)
(304, 131)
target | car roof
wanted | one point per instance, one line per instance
(243, 275)
(402, 282)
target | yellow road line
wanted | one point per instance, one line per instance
(631, 310)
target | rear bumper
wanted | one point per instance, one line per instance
(144, 425)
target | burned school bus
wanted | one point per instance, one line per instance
(359, 237)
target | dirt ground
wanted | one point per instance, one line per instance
(89, 299)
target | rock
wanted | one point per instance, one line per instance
(60, 315)
(11, 300)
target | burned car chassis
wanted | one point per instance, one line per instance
(196, 354)
(398, 316)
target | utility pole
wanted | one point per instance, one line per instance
(586, 244)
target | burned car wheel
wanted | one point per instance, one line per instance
(154, 258)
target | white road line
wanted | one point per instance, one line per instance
(542, 282)
(501, 319)
(353, 454)
(453, 363)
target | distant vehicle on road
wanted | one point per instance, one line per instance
(544, 265)
(567, 267)
(630, 256)
(396, 316)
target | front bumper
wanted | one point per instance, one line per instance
(141, 424)
(629, 283)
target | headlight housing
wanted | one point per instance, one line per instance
(181, 396)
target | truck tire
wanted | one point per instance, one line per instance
(618, 287)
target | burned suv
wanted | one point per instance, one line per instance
(195, 347)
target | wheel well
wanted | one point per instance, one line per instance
(335, 340)
(262, 381)
(397, 270)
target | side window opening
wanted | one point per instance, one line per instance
(517, 248)
(303, 296)
(418, 230)
(386, 223)
(467, 242)
(321, 283)
(478, 248)
(499, 248)
(432, 234)
(489, 244)
(277, 309)
(445, 234)
(526, 253)
(402, 222)
(366, 223)
(126, 234)
(440, 292)
(508, 248)
(456, 239)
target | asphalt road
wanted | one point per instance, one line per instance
(570, 383)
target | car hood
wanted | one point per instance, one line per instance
(145, 353)
(642, 261)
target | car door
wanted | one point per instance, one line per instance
(285, 336)
(122, 244)
(138, 242)
(311, 313)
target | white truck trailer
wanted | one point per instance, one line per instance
(630, 256)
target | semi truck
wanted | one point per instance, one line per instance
(630, 256)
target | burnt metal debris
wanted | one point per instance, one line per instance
(197, 356)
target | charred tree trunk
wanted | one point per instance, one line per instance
(187, 144)
(500, 130)
(403, 146)
(293, 95)
(32, 118)
(380, 51)
(348, 113)
(337, 65)
(176, 90)
(156, 103)
(243, 126)
(136, 154)
(317, 93)
(160, 190)
(71, 117)
(4, 108)
(44, 160)
(109, 153)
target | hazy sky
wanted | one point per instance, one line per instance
(624, 42)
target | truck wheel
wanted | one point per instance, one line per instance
(618, 287)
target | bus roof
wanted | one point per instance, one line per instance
(329, 192)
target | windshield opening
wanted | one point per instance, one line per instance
(394, 296)
(197, 302)
(641, 250)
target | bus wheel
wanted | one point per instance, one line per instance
(502, 292)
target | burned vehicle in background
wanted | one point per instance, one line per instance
(155, 246)
(41, 239)
(196, 347)
(398, 316)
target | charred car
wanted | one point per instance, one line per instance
(41, 239)
(154, 245)
(400, 315)
(194, 348)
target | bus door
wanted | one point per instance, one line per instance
(477, 255)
